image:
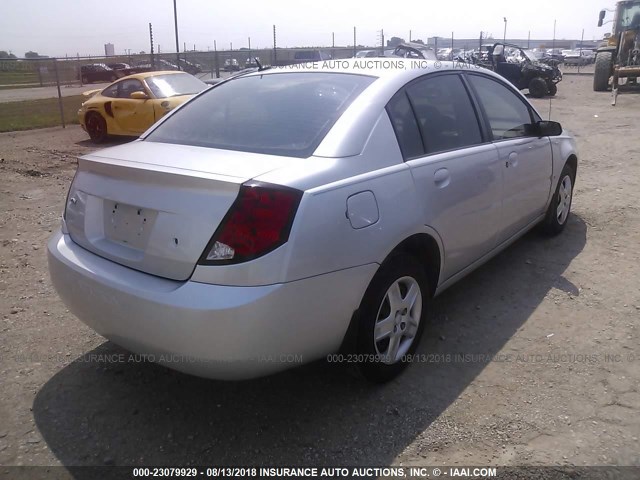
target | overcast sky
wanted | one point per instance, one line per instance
(59, 27)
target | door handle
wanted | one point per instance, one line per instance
(512, 161)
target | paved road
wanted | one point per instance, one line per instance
(19, 94)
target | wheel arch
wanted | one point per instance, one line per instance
(427, 247)
(572, 161)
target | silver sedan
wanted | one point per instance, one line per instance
(287, 214)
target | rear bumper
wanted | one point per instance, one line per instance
(213, 331)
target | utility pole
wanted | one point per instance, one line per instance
(333, 39)
(529, 40)
(504, 39)
(409, 35)
(355, 49)
(151, 41)
(249, 38)
(581, 42)
(275, 52)
(175, 21)
(215, 56)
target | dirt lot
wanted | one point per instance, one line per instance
(562, 314)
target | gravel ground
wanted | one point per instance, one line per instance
(535, 358)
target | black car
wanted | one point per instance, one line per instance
(98, 72)
(526, 72)
(119, 66)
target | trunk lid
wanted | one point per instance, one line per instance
(154, 207)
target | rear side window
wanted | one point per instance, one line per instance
(508, 115)
(280, 114)
(405, 125)
(445, 114)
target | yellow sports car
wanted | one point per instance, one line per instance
(132, 104)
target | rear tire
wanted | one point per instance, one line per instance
(538, 87)
(560, 206)
(85, 79)
(96, 127)
(604, 62)
(391, 318)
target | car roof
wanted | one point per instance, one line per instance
(390, 69)
(154, 74)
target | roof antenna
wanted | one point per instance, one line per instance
(260, 67)
(553, 47)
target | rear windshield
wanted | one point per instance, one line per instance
(174, 84)
(280, 114)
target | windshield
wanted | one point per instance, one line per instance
(629, 17)
(281, 114)
(531, 55)
(172, 85)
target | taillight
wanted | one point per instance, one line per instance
(258, 222)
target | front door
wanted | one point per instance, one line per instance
(132, 115)
(525, 157)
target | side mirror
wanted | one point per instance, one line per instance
(549, 129)
(601, 17)
(138, 96)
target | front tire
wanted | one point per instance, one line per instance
(553, 89)
(538, 87)
(392, 316)
(560, 206)
(604, 61)
(96, 127)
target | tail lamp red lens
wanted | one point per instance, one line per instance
(258, 222)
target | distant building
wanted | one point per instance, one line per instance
(109, 49)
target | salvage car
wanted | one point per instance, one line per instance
(287, 214)
(132, 104)
(574, 58)
(412, 50)
(367, 54)
(528, 74)
(231, 65)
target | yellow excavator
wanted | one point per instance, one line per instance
(619, 55)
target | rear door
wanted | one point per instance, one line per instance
(456, 171)
(525, 157)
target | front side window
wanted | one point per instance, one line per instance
(507, 114)
(127, 87)
(280, 113)
(111, 91)
(445, 114)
